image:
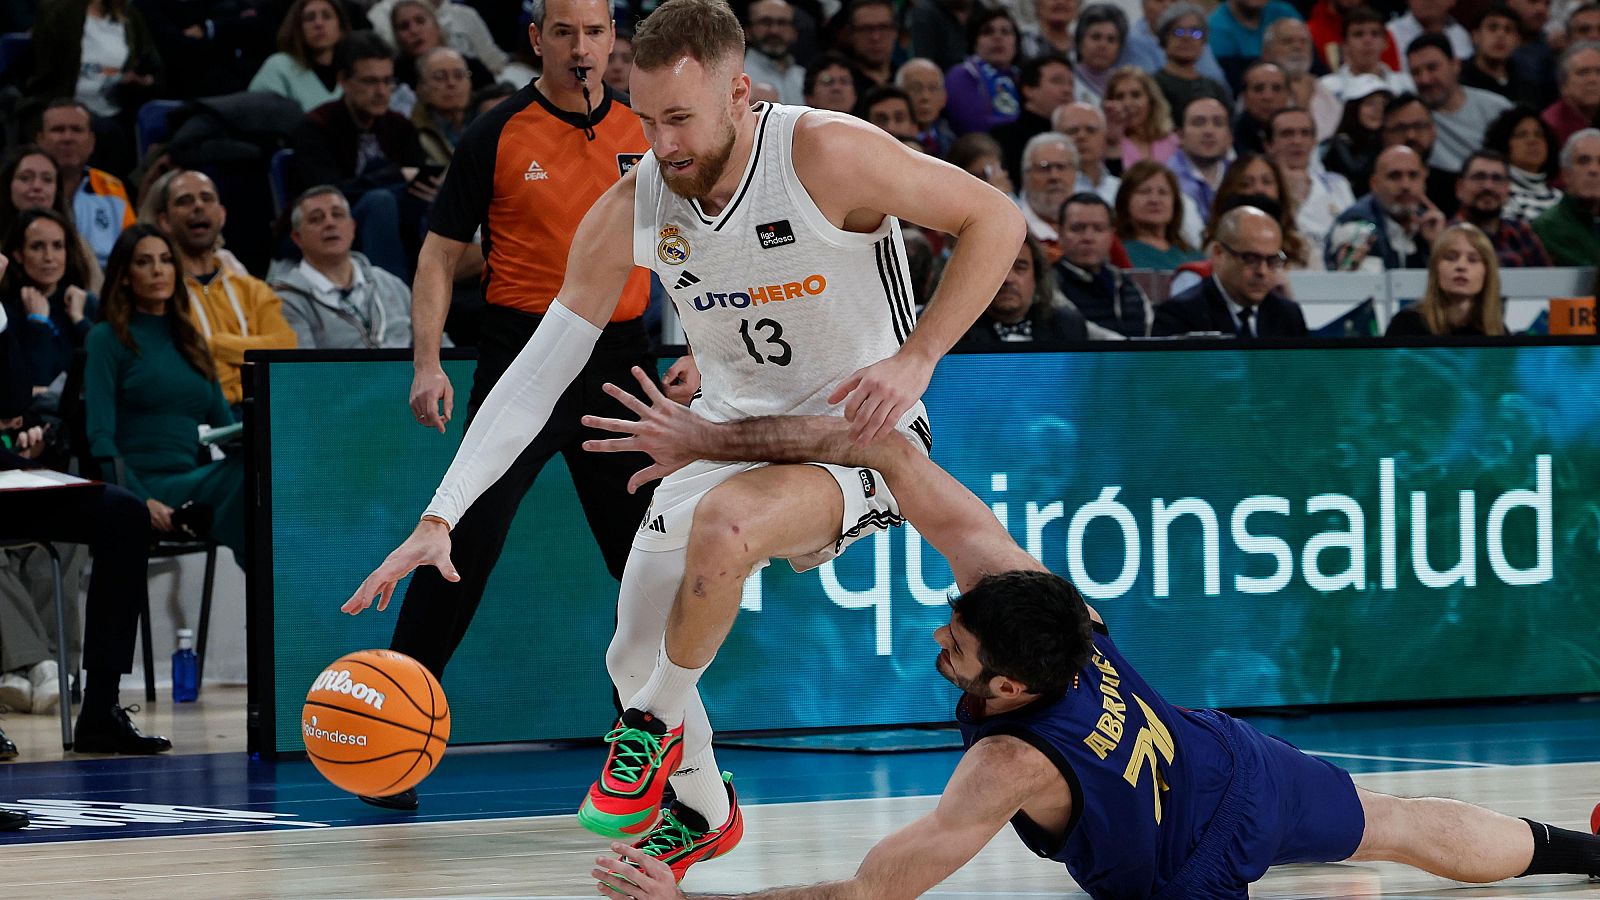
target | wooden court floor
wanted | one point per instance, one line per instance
(547, 857)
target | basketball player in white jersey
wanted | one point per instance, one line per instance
(775, 230)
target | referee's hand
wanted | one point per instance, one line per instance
(431, 390)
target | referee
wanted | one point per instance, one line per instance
(525, 173)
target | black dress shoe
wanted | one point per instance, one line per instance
(405, 801)
(109, 730)
(12, 821)
(8, 750)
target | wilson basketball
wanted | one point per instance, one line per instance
(375, 722)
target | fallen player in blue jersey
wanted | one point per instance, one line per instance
(1067, 743)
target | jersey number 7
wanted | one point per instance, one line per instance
(1153, 738)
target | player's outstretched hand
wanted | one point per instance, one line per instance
(665, 430)
(429, 545)
(635, 875)
(876, 397)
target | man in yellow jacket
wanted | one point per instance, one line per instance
(233, 310)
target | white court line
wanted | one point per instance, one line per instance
(1416, 759)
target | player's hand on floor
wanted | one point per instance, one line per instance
(428, 545)
(635, 875)
(876, 397)
(667, 431)
(682, 380)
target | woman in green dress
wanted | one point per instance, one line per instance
(150, 384)
(1150, 218)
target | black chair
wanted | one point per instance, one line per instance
(111, 470)
(61, 628)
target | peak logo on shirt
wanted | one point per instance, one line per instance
(775, 234)
(535, 172)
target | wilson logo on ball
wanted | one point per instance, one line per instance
(339, 682)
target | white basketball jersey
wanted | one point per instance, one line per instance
(779, 305)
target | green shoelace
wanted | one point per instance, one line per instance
(668, 836)
(629, 764)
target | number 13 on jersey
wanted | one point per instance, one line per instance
(773, 349)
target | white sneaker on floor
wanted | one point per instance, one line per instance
(16, 691)
(46, 686)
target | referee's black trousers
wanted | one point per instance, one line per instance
(435, 613)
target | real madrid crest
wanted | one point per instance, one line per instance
(673, 249)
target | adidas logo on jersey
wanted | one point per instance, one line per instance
(535, 172)
(685, 280)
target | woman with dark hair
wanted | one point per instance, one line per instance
(45, 293)
(31, 179)
(303, 68)
(830, 84)
(1463, 292)
(150, 383)
(1097, 44)
(1353, 150)
(1150, 218)
(982, 90)
(1529, 145)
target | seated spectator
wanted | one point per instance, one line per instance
(1051, 28)
(1390, 228)
(1583, 23)
(1238, 28)
(1192, 273)
(101, 54)
(831, 84)
(464, 30)
(1328, 22)
(1529, 145)
(870, 35)
(233, 312)
(1258, 176)
(490, 97)
(1049, 174)
(1085, 124)
(1354, 147)
(1429, 17)
(150, 383)
(370, 154)
(923, 82)
(46, 295)
(1483, 189)
(1183, 29)
(1570, 230)
(1317, 195)
(1463, 292)
(1100, 291)
(1138, 119)
(1369, 51)
(1241, 297)
(303, 69)
(1578, 79)
(1407, 121)
(1266, 90)
(1024, 309)
(1205, 147)
(335, 299)
(30, 179)
(443, 91)
(416, 32)
(979, 155)
(770, 36)
(619, 64)
(1288, 46)
(889, 108)
(1150, 218)
(983, 90)
(1461, 115)
(1494, 41)
(1101, 32)
(1147, 40)
(100, 204)
(1046, 84)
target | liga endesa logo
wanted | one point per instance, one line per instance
(332, 737)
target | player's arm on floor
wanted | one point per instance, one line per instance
(519, 406)
(856, 173)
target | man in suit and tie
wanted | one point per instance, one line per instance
(1240, 298)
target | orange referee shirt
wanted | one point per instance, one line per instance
(526, 172)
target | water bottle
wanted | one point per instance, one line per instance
(185, 669)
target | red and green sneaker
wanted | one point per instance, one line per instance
(624, 803)
(682, 837)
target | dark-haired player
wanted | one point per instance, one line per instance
(1068, 744)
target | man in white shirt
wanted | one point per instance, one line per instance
(1429, 17)
(1319, 195)
(1461, 115)
(1049, 175)
(1085, 124)
(769, 58)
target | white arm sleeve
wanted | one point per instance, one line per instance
(516, 410)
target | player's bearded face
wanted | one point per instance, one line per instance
(705, 167)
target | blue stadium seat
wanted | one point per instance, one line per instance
(13, 47)
(152, 123)
(278, 174)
